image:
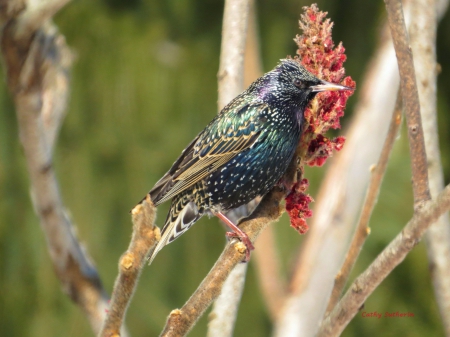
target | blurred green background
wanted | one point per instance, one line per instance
(143, 85)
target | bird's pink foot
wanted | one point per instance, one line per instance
(245, 240)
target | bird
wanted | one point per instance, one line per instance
(241, 154)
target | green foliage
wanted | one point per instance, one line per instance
(143, 85)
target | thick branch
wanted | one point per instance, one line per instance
(423, 44)
(38, 62)
(410, 98)
(182, 320)
(383, 265)
(362, 229)
(145, 236)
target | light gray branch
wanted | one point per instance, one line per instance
(423, 44)
(234, 32)
(37, 62)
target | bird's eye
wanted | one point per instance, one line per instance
(299, 83)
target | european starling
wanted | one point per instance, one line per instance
(241, 154)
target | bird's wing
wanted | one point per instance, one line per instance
(227, 135)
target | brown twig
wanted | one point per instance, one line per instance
(38, 63)
(411, 103)
(181, 320)
(362, 229)
(423, 43)
(145, 236)
(383, 265)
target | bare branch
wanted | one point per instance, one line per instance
(383, 265)
(423, 44)
(362, 229)
(145, 236)
(38, 63)
(223, 316)
(410, 98)
(180, 321)
(234, 32)
(36, 15)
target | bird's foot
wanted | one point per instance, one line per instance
(237, 233)
(245, 240)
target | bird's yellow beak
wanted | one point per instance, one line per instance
(328, 86)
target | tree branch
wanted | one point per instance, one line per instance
(383, 265)
(410, 99)
(145, 236)
(423, 43)
(38, 61)
(180, 321)
(234, 32)
(362, 229)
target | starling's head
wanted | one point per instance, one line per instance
(291, 83)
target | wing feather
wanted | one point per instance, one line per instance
(223, 139)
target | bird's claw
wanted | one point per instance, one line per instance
(246, 241)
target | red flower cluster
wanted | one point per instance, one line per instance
(317, 53)
(320, 148)
(297, 206)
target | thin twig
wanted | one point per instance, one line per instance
(145, 236)
(383, 265)
(411, 103)
(423, 43)
(38, 63)
(182, 320)
(362, 229)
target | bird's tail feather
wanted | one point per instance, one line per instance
(181, 217)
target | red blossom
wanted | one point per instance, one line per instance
(318, 53)
(320, 148)
(297, 206)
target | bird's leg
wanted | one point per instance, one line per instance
(237, 233)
